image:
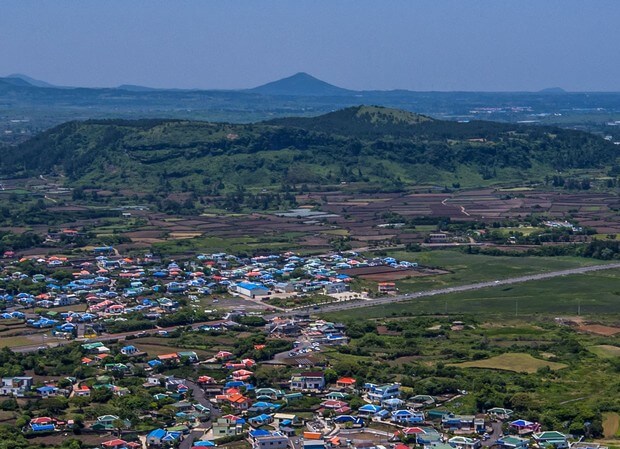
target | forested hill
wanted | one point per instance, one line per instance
(360, 121)
(377, 147)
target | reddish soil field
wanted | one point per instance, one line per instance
(362, 214)
(396, 275)
(599, 329)
(57, 439)
(144, 234)
(382, 274)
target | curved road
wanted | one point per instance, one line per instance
(356, 304)
(107, 337)
(199, 395)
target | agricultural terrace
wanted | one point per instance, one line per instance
(335, 218)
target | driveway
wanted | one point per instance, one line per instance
(495, 435)
(199, 395)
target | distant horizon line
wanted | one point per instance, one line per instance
(549, 90)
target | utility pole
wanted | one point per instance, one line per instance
(516, 307)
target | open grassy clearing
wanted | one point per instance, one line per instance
(205, 345)
(606, 236)
(589, 294)
(513, 331)
(25, 340)
(517, 362)
(605, 351)
(611, 424)
(470, 268)
(525, 230)
(233, 245)
(516, 189)
(155, 350)
(71, 308)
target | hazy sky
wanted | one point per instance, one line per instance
(358, 44)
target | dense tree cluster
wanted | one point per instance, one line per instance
(362, 144)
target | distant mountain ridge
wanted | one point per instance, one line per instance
(301, 84)
(299, 95)
(31, 81)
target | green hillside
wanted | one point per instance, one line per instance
(376, 147)
(360, 121)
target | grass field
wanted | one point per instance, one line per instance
(23, 340)
(517, 362)
(605, 351)
(71, 308)
(155, 350)
(525, 230)
(588, 294)
(606, 236)
(233, 245)
(611, 424)
(470, 268)
(206, 346)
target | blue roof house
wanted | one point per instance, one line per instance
(47, 391)
(154, 437)
(43, 427)
(261, 420)
(251, 289)
(129, 350)
(381, 393)
(368, 410)
(407, 417)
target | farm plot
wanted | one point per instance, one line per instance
(599, 329)
(382, 273)
(611, 424)
(366, 213)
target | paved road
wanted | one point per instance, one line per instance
(495, 435)
(199, 395)
(356, 304)
(188, 441)
(122, 336)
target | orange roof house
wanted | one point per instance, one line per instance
(313, 436)
(345, 382)
(168, 357)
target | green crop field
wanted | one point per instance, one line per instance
(525, 230)
(233, 245)
(588, 294)
(471, 268)
(605, 351)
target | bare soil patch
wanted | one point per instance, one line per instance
(599, 329)
(383, 274)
